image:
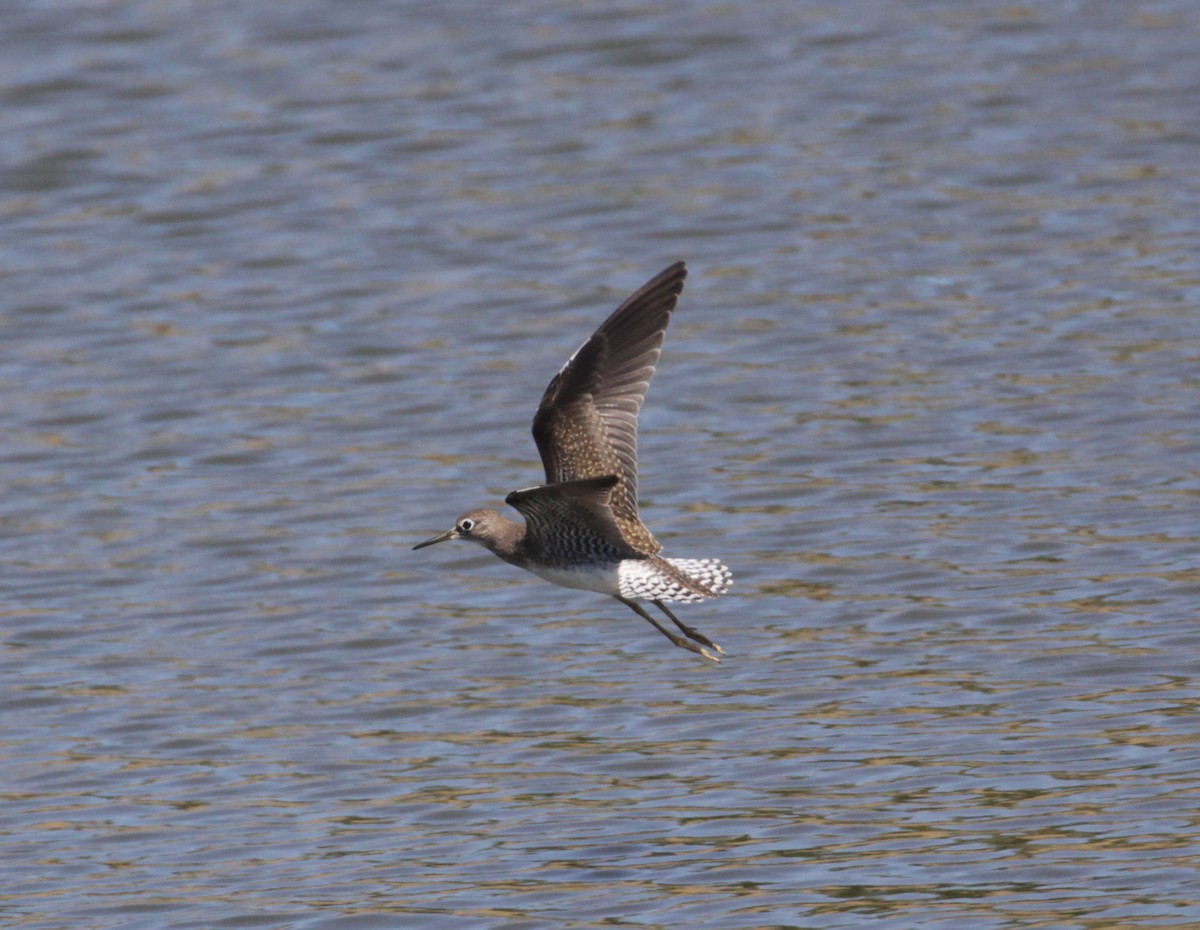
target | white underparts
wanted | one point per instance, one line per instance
(602, 577)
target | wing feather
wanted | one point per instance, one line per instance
(586, 423)
(572, 517)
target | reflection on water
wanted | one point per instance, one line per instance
(281, 294)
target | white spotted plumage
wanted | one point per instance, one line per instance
(692, 579)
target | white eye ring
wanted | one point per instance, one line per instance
(466, 525)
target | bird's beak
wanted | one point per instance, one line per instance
(442, 537)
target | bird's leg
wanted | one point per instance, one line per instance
(688, 631)
(673, 637)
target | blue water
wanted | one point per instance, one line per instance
(282, 286)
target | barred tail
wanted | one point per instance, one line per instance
(710, 574)
(658, 579)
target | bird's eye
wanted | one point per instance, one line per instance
(465, 526)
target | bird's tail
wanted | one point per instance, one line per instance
(658, 579)
(712, 576)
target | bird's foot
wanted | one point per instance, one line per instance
(699, 650)
(688, 631)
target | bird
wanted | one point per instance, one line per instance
(581, 528)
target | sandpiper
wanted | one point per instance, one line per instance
(582, 528)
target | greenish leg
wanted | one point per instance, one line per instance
(674, 637)
(688, 631)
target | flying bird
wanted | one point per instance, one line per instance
(582, 528)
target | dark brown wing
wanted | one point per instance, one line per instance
(586, 424)
(571, 521)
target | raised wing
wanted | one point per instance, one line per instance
(571, 519)
(586, 423)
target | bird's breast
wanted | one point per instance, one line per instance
(594, 576)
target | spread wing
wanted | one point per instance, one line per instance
(571, 520)
(586, 424)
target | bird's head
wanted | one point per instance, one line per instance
(478, 526)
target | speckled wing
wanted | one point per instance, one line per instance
(586, 424)
(571, 521)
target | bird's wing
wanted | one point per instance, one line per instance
(574, 516)
(586, 423)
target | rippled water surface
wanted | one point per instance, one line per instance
(282, 284)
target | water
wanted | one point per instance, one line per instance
(282, 285)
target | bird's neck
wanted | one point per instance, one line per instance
(508, 541)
